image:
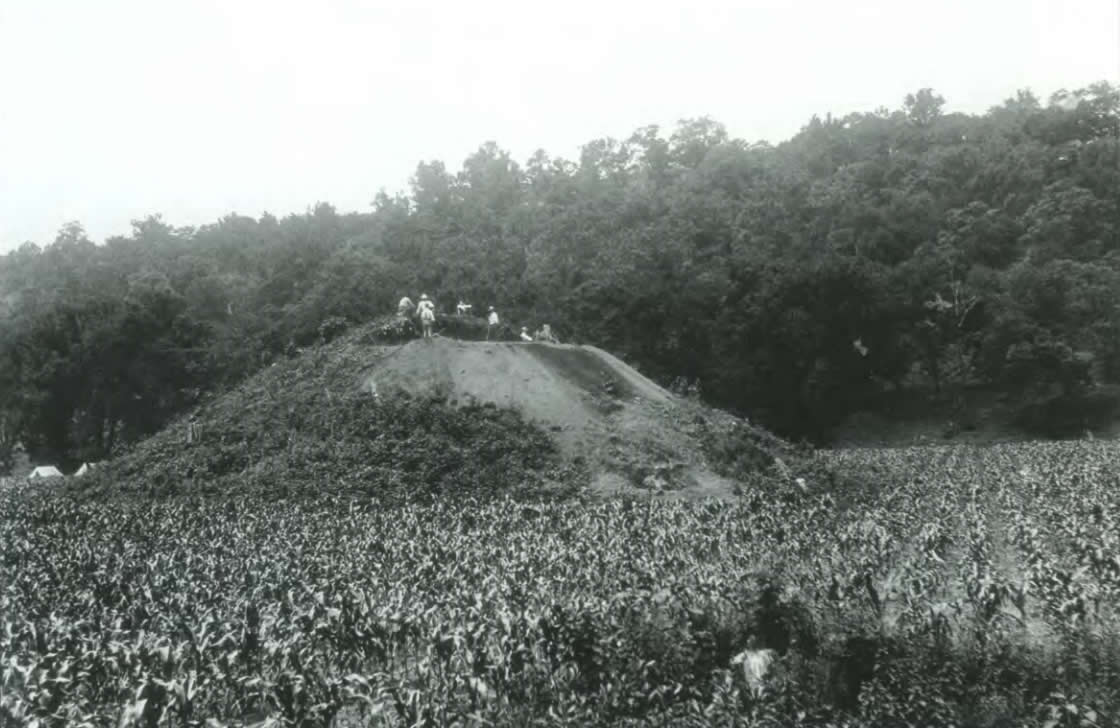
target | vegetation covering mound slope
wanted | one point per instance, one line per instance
(442, 417)
(304, 426)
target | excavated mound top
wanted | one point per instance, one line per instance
(597, 407)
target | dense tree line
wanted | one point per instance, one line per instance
(896, 251)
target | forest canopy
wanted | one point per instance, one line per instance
(895, 252)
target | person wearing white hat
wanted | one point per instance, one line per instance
(491, 322)
(427, 313)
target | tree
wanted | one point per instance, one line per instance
(924, 107)
(896, 251)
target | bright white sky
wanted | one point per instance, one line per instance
(111, 110)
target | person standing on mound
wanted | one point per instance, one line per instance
(426, 310)
(491, 322)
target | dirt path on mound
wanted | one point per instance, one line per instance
(593, 404)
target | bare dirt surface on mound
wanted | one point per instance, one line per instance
(597, 408)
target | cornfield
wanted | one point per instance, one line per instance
(978, 585)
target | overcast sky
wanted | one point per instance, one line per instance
(111, 110)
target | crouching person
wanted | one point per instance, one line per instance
(545, 334)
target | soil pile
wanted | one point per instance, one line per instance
(634, 434)
(441, 416)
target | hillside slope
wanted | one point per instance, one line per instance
(594, 406)
(441, 416)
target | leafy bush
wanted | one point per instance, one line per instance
(1070, 415)
(769, 466)
(394, 330)
(332, 327)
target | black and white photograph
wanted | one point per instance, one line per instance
(550, 365)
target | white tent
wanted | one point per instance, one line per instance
(44, 471)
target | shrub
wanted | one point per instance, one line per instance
(394, 330)
(1070, 415)
(396, 447)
